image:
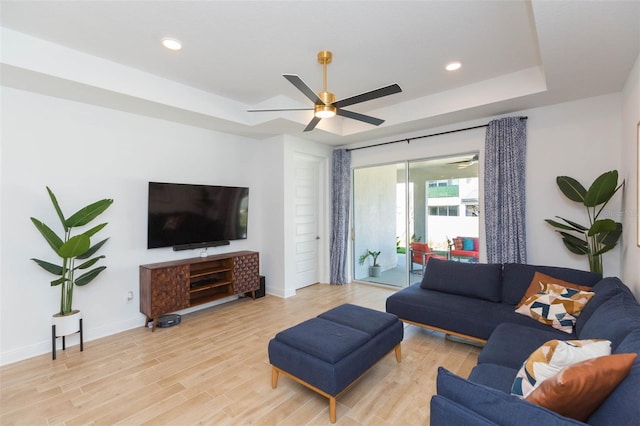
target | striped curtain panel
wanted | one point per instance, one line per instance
(340, 204)
(504, 190)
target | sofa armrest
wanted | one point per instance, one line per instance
(493, 405)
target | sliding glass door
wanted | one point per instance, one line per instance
(407, 213)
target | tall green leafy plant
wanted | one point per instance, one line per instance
(72, 249)
(373, 254)
(601, 235)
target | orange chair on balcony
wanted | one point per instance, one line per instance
(421, 253)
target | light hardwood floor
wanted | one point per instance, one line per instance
(213, 369)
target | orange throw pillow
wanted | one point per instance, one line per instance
(577, 390)
(539, 283)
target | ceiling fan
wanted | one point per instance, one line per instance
(466, 163)
(325, 104)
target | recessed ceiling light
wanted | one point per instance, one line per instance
(453, 66)
(171, 43)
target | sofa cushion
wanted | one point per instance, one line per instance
(553, 356)
(604, 290)
(464, 253)
(479, 280)
(622, 407)
(511, 344)
(613, 320)
(540, 282)
(467, 244)
(516, 278)
(458, 243)
(323, 339)
(578, 390)
(367, 320)
(493, 375)
(495, 405)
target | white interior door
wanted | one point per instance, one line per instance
(306, 201)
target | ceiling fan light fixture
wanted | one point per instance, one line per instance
(324, 111)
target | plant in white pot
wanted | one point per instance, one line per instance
(76, 254)
(375, 270)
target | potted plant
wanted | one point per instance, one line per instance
(602, 234)
(72, 249)
(375, 270)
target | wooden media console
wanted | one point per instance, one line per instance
(179, 284)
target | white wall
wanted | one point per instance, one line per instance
(85, 153)
(375, 213)
(630, 163)
(581, 139)
(271, 216)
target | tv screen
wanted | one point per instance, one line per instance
(195, 215)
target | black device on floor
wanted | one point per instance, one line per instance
(169, 320)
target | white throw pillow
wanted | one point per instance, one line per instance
(553, 356)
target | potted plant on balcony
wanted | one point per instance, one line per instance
(72, 249)
(602, 234)
(375, 270)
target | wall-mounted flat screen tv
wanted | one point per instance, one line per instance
(186, 216)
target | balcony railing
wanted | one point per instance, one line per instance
(443, 191)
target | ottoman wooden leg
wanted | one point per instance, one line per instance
(398, 350)
(274, 377)
(332, 409)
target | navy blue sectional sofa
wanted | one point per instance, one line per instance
(477, 301)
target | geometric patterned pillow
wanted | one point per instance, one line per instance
(553, 356)
(579, 297)
(558, 306)
(540, 281)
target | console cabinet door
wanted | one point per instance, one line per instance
(246, 273)
(164, 290)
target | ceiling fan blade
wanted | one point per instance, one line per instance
(363, 97)
(302, 86)
(312, 124)
(360, 117)
(279, 109)
(469, 161)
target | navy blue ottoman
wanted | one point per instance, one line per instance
(329, 353)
